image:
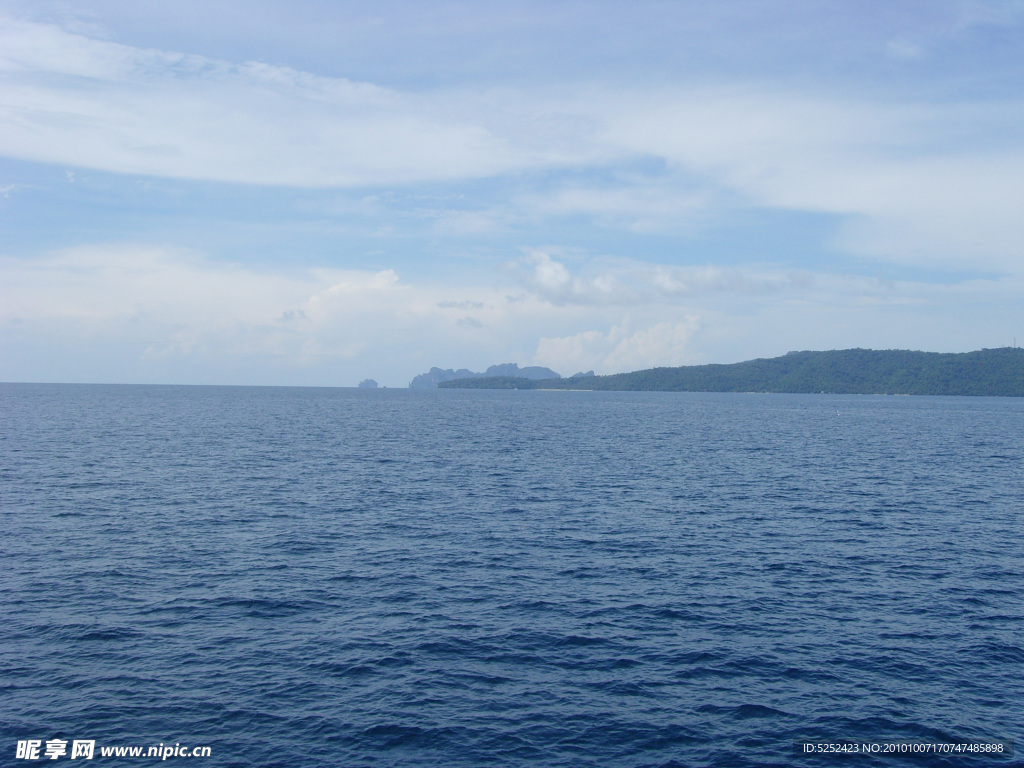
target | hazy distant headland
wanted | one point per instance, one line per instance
(986, 372)
(437, 376)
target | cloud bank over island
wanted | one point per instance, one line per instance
(295, 203)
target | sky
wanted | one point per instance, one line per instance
(316, 193)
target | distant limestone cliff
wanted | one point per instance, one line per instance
(437, 376)
(991, 372)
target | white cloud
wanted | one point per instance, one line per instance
(631, 283)
(173, 315)
(136, 314)
(68, 99)
(176, 307)
(919, 183)
(935, 184)
(619, 349)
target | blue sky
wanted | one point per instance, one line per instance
(320, 192)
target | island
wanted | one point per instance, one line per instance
(437, 376)
(986, 372)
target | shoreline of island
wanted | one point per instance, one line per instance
(986, 372)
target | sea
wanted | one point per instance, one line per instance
(346, 577)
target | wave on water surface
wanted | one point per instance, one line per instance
(469, 578)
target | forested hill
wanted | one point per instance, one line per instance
(998, 372)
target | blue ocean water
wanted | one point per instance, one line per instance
(340, 577)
